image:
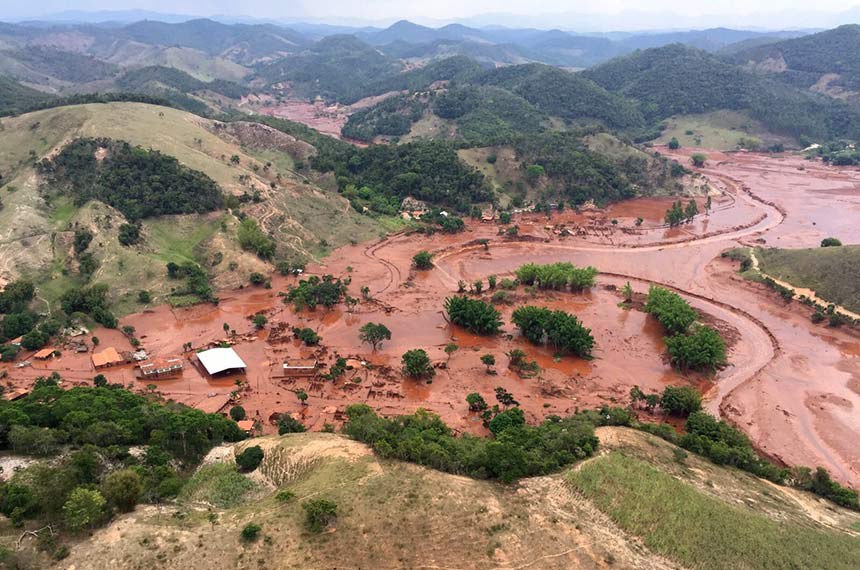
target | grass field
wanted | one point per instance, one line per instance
(718, 130)
(677, 520)
(832, 272)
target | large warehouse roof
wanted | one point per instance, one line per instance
(218, 360)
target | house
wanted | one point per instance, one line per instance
(300, 367)
(161, 368)
(246, 425)
(107, 358)
(45, 354)
(16, 394)
(221, 361)
(16, 341)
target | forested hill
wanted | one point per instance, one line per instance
(677, 80)
(803, 61)
(15, 97)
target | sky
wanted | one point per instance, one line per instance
(603, 15)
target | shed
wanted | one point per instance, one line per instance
(300, 367)
(45, 353)
(107, 357)
(221, 361)
(246, 425)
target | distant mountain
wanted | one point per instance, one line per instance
(709, 40)
(827, 61)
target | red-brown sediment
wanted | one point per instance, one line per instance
(793, 387)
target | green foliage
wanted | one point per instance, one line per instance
(391, 117)
(678, 214)
(129, 234)
(701, 349)
(251, 532)
(563, 331)
(84, 509)
(285, 496)
(319, 513)
(288, 424)
(237, 413)
(374, 334)
(416, 364)
(82, 240)
(476, 402)
(513, 418)
(89, 300)
(517, 451)
(256, 278)
(680, 400)
(673, 312)
(698, 159)
(674, 144)
(259, 320)
(197, 282)
(820, 483)
(307, 335)
(314, 291)
(219, 484)
(17, 98)
(249, 459)
(473, 314)
(830, 242)
(122, 489)
(557, 276)
(422, 260)
(252, 238)
(139, 183)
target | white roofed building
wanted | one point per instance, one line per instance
(220, 361)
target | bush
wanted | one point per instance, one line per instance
(673, 312)
(476, 402)
(319, 513)
(702, 349)
(257, 278)
(830, 242)
(251, 532)
(123, 488)
(288, 424)
(260, 321)
(307, 336)
(285, 496)
(557, 276)
(416, 364)
(473, 314)
(237, 413)
(561, 330)
(83, 509)
(422, 260)
(680, 400)
(129, 234)
(249, 459)
(144, 297)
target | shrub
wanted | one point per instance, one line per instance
(558, 276)
(680, 400)
(123, 488)
(416, 364)
(698, 159)
(144, 297)
(129, 234)
(562, 330)
(237, 413)
(249, 459)
(257, 278)
(285, 496)
(702, 349)
(319, 513)
(251, 532)
(307, 336)
(83, 509)
(473, 314)
(673, 312)
(260, 321)
(288, 424)
(422, 260)
(476, 402)
(830, 242)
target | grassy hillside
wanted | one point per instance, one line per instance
(544, 522)
(721, 130)
(35, 235)
(832, 272)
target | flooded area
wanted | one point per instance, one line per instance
(792, 386)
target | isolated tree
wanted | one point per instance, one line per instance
(489, 361)
(237, 413)
(289, 424)
(830, 242)
(259, 320)
(350, 303)
(505, 398)
(416, 364)
(374, 334)
(249, 459)
(450, 349)
(302, 396)
(627, 292)
(680, 400)
(319, 513)
(83, 509)
(422, 260)
(698, 159)
(674, 144)
(476, 402)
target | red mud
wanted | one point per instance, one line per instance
(792, 386)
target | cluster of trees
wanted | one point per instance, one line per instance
(697, 347)
(416, 364)
(96, 475)
(473, 314)
(561, 330)
(516, 450)
(91, 301)
(557, 276)
(679, 214)
(196, 281)
(18, 319)
(392, 117)
(675, 400)
(313, 291)
(252, 238)
(138, 182)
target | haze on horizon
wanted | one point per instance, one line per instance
(609, 15)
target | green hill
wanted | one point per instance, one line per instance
(832, 272)
(15, 97)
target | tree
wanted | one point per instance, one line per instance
(422, 260)
(478, 286)
(129, 234)
(100, 381)
(674, 144)
(319, 513)
(450, 349)
(416, 364)
(698, 159)
(237, 413)
(673, 312)
(701, 349)
(491, 281)
(627, 292)
(473, 314)
(259, 320)
(691, 210)
(830, 242)
(83, 509)
(476, 402)
(505, 398)
(249, 459)
(302, 397)
(122, 489)
(534, 173)
(251, 531)
(289, 424)
(374, 334)
(144, 297)
(680, 400)
(257, 278)
(508, 419)
(489, 361)
(505, 218)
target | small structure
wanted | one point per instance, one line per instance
(16, 394)
(140, 355)
(107, 358)
(246, 426)
(218, 361)
(16, 341)
(161, 368)
(300, 367)
(45, 354)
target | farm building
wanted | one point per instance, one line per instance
(300, 367)
(107, 358)
(161, 368)
(246, 425)
(45, 354)
(221, 361)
